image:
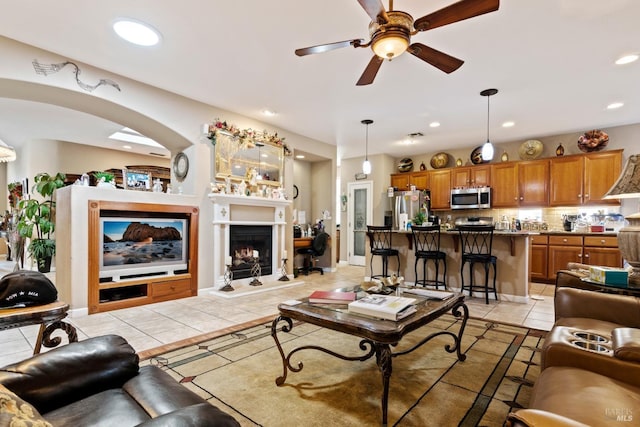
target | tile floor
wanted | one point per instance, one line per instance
(154, 327)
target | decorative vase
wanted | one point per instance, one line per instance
(560, 150)
(422, 166)
(504, 157)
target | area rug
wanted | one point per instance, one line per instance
(429, 387)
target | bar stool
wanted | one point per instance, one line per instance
(476, 241)
(380, 245)
(426, 246)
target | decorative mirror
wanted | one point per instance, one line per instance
(238, 158)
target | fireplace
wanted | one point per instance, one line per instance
(258, 223)
(243, 241)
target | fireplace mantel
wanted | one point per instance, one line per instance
(231, 209)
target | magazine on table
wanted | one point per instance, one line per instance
(384, 306)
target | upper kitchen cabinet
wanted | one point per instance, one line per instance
(584, 179)
(404, 181)
(471, 176)
(518, 184)
(440, 186)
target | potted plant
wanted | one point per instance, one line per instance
(37, 219)
(419, 218)
(105, 179)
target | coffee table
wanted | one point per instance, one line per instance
(378, 335)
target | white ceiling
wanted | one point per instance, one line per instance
(552, 61)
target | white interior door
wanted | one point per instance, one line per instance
(359, 214)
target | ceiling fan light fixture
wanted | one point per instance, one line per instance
(390, 44)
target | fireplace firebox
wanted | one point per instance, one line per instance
(243, 241)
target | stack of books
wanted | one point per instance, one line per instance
(332, 297)
(384, 306)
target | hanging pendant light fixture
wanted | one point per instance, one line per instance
(487, 148)
(366, 166)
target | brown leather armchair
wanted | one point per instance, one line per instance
(97, 382)
(595, 388)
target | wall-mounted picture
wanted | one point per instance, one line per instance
(136, 180)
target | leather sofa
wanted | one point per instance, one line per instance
(98, 382)
(596, 387)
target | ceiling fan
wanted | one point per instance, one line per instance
(390, 32)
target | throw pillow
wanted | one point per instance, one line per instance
(16, 412)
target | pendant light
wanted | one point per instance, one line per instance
(487, 148)
(366, 166)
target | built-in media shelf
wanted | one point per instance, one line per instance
(140, 253)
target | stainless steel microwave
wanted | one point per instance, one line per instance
(471, 198)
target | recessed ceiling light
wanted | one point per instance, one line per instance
(127, 147)
(299, 156)
(434, 124)
(627, 59)
(136, 32)
(508, 124)
(269, 113)
(614, 105)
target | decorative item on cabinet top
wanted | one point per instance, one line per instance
(405, 165)
(439, 161)
(530, 150)
(476, 156)
(593, 140)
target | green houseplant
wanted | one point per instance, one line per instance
(104, 178)
(420, 218)
(37, 219)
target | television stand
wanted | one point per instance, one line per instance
(129, 291)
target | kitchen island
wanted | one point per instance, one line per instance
(511, 248)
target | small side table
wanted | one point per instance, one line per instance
(48, 316)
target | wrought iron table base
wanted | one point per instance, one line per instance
(382, 351)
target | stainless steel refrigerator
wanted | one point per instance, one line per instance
(404, 205)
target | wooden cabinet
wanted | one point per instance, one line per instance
(602, 250)
(520, 184)
(404, 181)
(539, 258)
(471, 176)
(107, 293)
(400, 181)
(440, 186)
(560, 249)
(601, 170)
(583, 179)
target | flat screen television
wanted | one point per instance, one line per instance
(138, 247)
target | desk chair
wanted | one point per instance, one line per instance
(476, 241)
(380, 245)
(426, 246)
(313, 252)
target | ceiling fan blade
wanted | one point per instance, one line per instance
(441, 60)
(455, 12)
(375, 10)
(328, 46)
(370, 72)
